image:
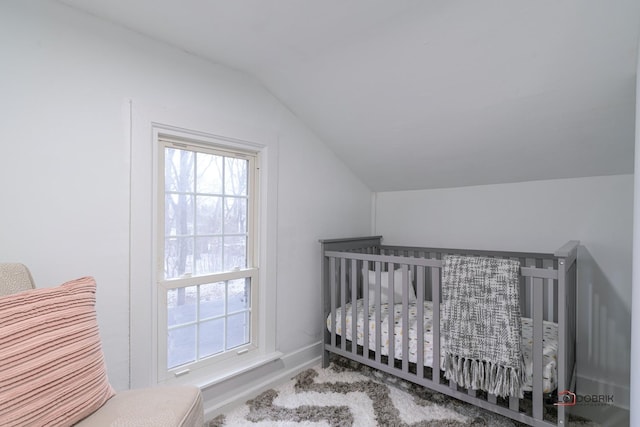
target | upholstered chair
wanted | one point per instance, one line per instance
(162, 406)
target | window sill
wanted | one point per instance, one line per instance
(220, 372)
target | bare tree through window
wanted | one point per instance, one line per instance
(206, 212)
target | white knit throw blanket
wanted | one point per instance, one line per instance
(481, 324)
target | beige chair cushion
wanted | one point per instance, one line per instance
(150, 407)
(14, 278)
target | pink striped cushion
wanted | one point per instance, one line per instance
(52, 369)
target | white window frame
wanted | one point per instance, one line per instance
(251, 270)
(146, 122)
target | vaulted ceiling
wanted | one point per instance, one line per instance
(429, 93)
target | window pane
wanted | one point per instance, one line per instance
(209, 170)
(209, 215)
(235, 252)
(235, 215)
(181, 346)
(208, 255)
(181, 305)
(235, 176)
(178, 257)
(178, 215)
(212, 300)
(178, 170)
(237, 330)
(239, 295)
(211, 337)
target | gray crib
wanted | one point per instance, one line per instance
(547, 298)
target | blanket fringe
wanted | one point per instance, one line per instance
(503, 381)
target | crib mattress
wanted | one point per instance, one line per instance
(550, 339)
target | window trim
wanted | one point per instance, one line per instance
(143, 121)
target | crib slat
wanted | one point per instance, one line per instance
(365, 309)
(343, 302)
(538, 300)
(527, 296)
(405, 318)
(420, 321)
(354, 306)
(529, 262)
(551, 309)
(523, 288)
(435, 322)
(412, 267)
(378, 311)
(427, 282)
(391, 317)
(563, 344)
(332, 288)
(436, 307)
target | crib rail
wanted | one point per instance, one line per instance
(351, 266)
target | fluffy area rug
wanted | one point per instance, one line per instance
(353, 395)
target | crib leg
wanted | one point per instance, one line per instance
(325, 358)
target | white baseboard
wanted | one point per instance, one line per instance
(228, 394)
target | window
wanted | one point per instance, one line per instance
(207, 267)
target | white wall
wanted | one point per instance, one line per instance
(65, 87)
(541, 216)
(317, 201)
